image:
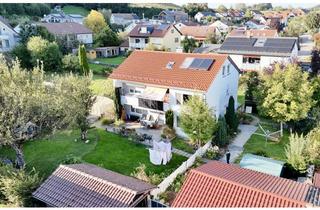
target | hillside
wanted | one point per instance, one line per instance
(156, 5)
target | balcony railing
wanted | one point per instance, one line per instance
(251, 66)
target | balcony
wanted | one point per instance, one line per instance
(251, 66)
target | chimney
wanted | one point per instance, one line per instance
(142, 16)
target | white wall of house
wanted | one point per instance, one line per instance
(85, 38)
(135, 44)
(198, 17)
(220, 26)
(8, 38)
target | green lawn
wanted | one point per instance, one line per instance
(114, 60)
(100, 69)
(241, 98)
(69, 9)
(182, 144)
(105, 150)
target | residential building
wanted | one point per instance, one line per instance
(220, 185)
(152, 82)
(187, 23)
(254, 24)
(73, 31)
(222, 26)
(124, 19)
(8, 36)
(107, 52)
(124, 46)
(253, 33)
(198, 33)
(251, 53)
(202, 16)
(160, 36)
(61, 17)
(172, 16)
(86, 185)
(207, 48)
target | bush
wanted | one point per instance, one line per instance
(221, 136)
(107, 121)
(231, 117)
(119, 123)
(17, 186)
(70, 63)
(140, 173)
(295, 153)
(169, 118)
(212, 154)
(71, 159)
(261, 153)
(168, 133)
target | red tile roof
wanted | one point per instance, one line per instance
(316, 179)
(154, 30)
(217, 184)
(198, 32)
(254, 33)
(86, 185)
(149, 67)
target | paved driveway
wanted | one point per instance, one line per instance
(236, 147)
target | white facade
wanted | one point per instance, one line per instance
(217, 96)
(8, 38)
(263, 61)
(119, 20)
(85, 38)
(224, 28)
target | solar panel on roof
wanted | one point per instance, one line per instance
(201, 63)
(195, 63)
(206, 63)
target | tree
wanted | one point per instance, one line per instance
(221, 136)
(262, 6)
(285, 93)
(21, 52)
(231, 117)
(169, 118)
(188, 44)
(221, 8)
(82, 55)
(106, 37)
(312, 21)
(313, 145)
(315, 62)
(248, 14)
(29, 30)
(296, 27)
(193, 8)
(211, 38)
(95, 21)
(197, 120)
(295, 152)
(70, 63)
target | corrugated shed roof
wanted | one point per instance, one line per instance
(217, 184)
(149, 67)
(86, 185)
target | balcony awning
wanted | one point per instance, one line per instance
(152, 93)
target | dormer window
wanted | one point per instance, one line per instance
(170, 65)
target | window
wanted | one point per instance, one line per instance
(223, 70)
(131, 90)
(186, 97)
(150, 104)
(0, 43)
(228, 69)
(179, 98)
(146, 41)
(137, 40)
(176, 40)
(251, 60)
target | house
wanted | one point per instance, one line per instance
(124, 46)
(235, 14)
(202, 16)
(8, 36)
(152, 82)
(124, 19)
(222, 26)
(61, 17)
(198, 33)
(172, 16)
(220, 185)
(254, 24)
(251, 53)
(107, 52)
(207, 48)
(187, 23)
(160, 36)
(253, 33)
(73, 31)
(86, 185)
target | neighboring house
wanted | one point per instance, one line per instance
(253, 33)
(254, 24)
(182, 24)
(172, 16)
(202, 16)
(124, 19)
(257, 53)
(207, 48)
(61, 17)
(235, 14)
(222, 26)
(73, 31)
(8, 36)
(86, 185)
(160, 36)
(198, 33)
(152, 82)
(220, 185)
(124, 46)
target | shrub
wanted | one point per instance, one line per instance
(169, 118)
(71, 159)
(212, 154)
(119, 122)
(140, 173)
(231, 117)
(168, 133)
(70, 63)
(261, 153)
(295, 152)
(107, 121)
(221, 136)
(16, 186)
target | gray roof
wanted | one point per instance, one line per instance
(6, 22)
(207, 48)
(126, 16)
(208, 13)
(86, 185)
(270, 46)
(66, 28)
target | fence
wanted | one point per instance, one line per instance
(162, 187)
